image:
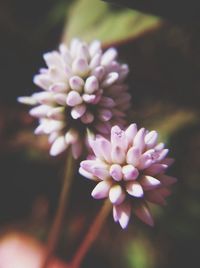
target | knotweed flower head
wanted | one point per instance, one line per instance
(130, 171)
(83, 88)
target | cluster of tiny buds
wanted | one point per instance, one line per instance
(129, 170)
(83, 88)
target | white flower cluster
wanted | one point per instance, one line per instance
(83, 87)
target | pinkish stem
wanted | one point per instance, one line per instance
(56, 228)
(91, 236)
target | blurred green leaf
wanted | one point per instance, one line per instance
(173, 122)
(186, 11)
(93, 19)
(140, 254)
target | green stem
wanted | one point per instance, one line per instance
(56, 228)
(91, 236)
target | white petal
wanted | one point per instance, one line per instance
(109, 56)
(130, 133)
(95, 61)
(116, 194)
(44, 97)
(162, 154)
(40, 111)
(110, 79)
(102, 189)
(151, 139)
(91, 84)
(118, 155)
(59, 87)
(80, 67)
(58, 75)
(133, 156)
(97, 168)
(27, 100)
(78, 111)
(56, 113)
(122, 214)
(149, 183)
(73, 98)
(71, 136)
(75, 42)
(53, 59)
(99, 72)
(60, 98)
(95, 47)
(82, 51)
(139, 139)
(118, 138)
(116, 172)
(86, 174)
(76, 83)
(134, 189)
(58, 146)
(101, 148)
(130, 172)
(145, 161)
(89, 98)
(43, 81)
(48, 126)
(105, 149)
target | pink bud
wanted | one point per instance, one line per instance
(130, 172)
(91, 84)
(116, 172)
(76, 83)
(73, 98)
(80, 67)
(78, 111)
(116, 194)
(58, 146)
(149, 183)
(134, 189)
(109, 56)
(102, 189)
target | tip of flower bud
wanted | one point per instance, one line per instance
(91, 84)
(80, 67)
(27, 100)
(58, 146)
(73, 98)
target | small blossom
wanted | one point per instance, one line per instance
(130, 171)
(83, 87)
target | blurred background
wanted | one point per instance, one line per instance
(163, 52)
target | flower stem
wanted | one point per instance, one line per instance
(92, 234)
(56, 228)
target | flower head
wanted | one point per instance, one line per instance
(83, 87)
(130, 171)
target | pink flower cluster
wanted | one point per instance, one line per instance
(83, 87)
(130, 171)
(84, 92)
